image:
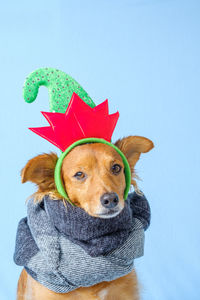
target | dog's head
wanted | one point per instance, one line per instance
(93, 174)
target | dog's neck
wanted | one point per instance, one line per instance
(97, 236)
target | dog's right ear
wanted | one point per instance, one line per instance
(40, 170)
(133, 146)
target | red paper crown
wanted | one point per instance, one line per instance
(78, 122)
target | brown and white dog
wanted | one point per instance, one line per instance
(88, 171)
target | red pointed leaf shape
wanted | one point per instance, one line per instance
(79, 121)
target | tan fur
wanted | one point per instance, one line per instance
(95, 160)
(40, 170)
(122, 288)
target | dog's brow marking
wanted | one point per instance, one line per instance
(103, 293)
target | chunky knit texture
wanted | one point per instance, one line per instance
(65, 248)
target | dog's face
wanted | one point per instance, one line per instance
(93, 174)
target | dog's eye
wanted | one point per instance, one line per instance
(116, 169)
(79, 175)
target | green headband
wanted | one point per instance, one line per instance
(58, 179)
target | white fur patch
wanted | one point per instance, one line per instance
(103, 293)
(29, 292)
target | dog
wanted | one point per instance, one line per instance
(93, 176)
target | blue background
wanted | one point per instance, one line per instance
(144, 57)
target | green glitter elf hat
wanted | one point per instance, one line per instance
(74, 118)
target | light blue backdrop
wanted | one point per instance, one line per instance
(143, 55)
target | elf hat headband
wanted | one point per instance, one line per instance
(82, 122)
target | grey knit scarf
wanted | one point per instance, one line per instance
(64, 248)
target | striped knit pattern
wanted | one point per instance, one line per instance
(61, 265)
(77, 268)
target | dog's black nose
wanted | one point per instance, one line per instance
(109, 200)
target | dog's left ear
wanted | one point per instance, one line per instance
(133, 146)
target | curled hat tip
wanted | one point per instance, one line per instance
(60, 87)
